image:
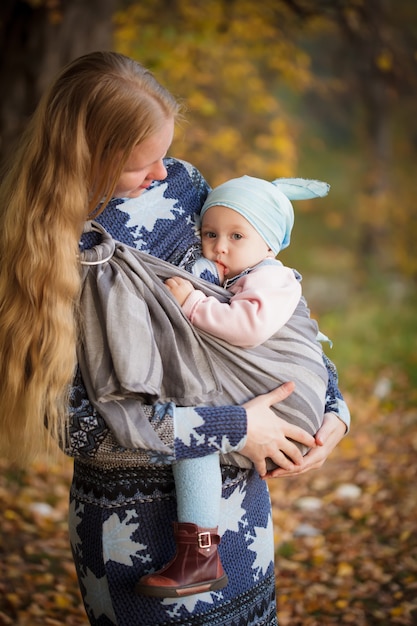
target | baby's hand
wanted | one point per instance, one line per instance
(180, 288)
(220, 271)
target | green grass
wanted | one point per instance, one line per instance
(375, 337)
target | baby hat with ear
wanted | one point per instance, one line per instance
(266, 205)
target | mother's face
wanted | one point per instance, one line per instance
(145, 163)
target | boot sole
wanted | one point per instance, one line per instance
(186, 590)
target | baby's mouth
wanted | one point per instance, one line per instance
(225, 268)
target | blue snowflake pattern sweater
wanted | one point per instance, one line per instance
(122, 502)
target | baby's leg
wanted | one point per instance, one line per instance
(196, 566)
(198, 484)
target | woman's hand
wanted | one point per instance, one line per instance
(268, 436)
(327, 438)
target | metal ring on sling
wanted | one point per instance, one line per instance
(106, 247)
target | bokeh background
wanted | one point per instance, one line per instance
(323, 89)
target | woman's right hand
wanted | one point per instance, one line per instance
(269, 436)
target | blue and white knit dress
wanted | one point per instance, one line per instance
(122, 502)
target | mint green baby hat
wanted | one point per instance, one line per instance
(266, 205)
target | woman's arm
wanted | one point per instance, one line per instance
(186, 431)
(252, 429)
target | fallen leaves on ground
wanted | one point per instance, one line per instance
(38, 584)
(346, 535)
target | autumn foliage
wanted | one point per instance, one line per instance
(296, 89)
(345, 537)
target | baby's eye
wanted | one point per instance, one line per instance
(236, 236)
(209, 234)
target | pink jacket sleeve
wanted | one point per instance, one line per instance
(263, 301)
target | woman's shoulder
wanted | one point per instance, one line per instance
(161, 221)
(182, 172)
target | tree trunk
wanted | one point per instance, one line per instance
(36, 40)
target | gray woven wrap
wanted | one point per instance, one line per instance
(138, 347)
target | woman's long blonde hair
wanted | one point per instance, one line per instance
(70, 158)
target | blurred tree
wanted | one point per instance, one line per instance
(236, 64)
(37, 37)
(242, 69)
(370, 54)
(226, 60)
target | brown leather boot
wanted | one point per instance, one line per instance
(195, 568)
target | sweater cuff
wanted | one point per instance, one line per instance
(204, 430)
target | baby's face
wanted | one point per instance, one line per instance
(230, 240)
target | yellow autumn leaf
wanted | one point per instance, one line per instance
(13, 598)
(397, 611)
(384, 61)
(342, 604)
(344, 569)
(63, 601)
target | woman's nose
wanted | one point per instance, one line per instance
(159, 171)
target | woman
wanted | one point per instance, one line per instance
(98, 139)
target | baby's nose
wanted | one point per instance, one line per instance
(220, 245)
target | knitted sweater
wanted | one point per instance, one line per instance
(122, 501)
